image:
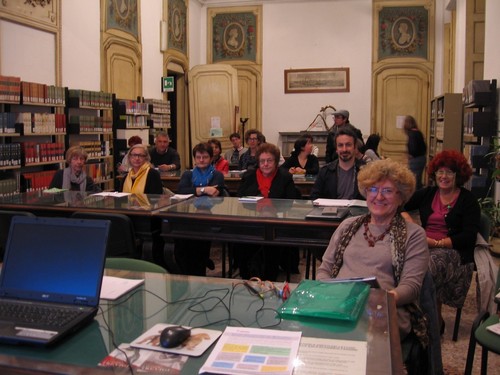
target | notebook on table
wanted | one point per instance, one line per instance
(328, 213)
(52, 270)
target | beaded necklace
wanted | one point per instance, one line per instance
(369, 237)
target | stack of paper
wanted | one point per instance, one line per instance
(339, 202)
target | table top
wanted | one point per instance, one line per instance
(212, 303)
(133, 204)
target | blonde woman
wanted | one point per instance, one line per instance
(141, 178)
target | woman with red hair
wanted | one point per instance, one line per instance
(450, 216)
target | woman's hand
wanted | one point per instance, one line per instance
(292, 170)
(211, 191)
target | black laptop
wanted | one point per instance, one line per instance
(52, 271)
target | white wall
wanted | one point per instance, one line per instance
(81, 43)
(315, 35)
(35, 61)
(197, 27)
(459, 79)
(152, 57)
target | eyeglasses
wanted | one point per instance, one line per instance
(139, 156)
(386, 192)
(445, 173)
(253, 139)
(268, 161)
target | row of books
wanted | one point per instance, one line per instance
(38, 180)
(8, 186)
(8, 122)
(42, 123)
(135, 121)
(96, 148)
(98, 171)
(94, 99)
(159, 106)
(91, 124)
(34, 152)
(10, 89)
(10, 155)
(133, 107)
(40, 93)
(477, 91)
(160, 120)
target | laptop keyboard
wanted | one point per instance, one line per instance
(41, 315)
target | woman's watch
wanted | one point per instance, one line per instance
(202, 191)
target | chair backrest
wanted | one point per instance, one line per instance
(485, 226)
(129, 264)
(122, 240)
(5, 219)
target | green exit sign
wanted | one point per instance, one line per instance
(167, 84)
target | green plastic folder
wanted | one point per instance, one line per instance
(342, 301)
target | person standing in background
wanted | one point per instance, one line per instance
(417, 149)
(163, 157)
(341, 121)
(234, 154)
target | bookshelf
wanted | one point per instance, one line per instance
(90, 124)
(479, 128)
(445, 131)
(130, 117)
(160, 116)
(32, 134)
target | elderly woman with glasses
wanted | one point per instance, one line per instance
(141, 178)
(450, 215)
(381, 243)
(73, 177)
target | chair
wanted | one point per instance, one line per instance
(129, 264)
(479, 334)
(5, 219)
(484, 230)
(122, 241)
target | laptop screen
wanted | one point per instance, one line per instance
(55, 259)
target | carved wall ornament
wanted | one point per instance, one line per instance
(234, 36)
(403, 32)
(35, 3)
(123, 15)
(177, 25)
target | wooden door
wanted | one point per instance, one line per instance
(213, 99)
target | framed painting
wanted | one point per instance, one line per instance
(234, 34)
(403, 32)
(177, 25)
(316, 80)
(123, 15)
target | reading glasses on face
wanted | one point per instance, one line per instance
(386, 192)
(445, 173)
(137, 156)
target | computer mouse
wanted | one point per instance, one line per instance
(172, 337)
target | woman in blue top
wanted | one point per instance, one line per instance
(204, 181)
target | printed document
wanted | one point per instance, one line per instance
(243, 350)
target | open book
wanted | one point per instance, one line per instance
(339, 202)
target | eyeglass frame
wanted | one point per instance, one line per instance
(445, 173)
(384, 191)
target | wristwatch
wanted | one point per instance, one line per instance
(202, 190)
